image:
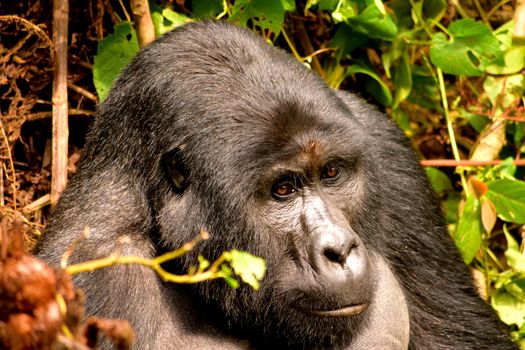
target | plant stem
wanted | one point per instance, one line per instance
(450, 128)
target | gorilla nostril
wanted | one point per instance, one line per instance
(334, 256)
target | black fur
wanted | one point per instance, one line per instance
(192, 136)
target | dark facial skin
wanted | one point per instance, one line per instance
(210, 127)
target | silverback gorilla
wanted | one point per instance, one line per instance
(210, 127)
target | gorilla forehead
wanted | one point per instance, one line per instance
(248, 99)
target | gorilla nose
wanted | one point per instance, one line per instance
(339, 258)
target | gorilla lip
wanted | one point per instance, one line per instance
(343, 312)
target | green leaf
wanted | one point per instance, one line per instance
(508, 196)
(509, 308)
(266, 14)
(113, 53)
(403, 13)
(203, 263)
(380, 6)
(228, 276)
(288, 5)
(344, 11)
(345, 40)
(469, 230)
(450, 207)
(478, 122)
(206, 8)
(470, 49)
(515, 257)
(434, 9)
(503, 91)
(514, 53)
(250, 268)
(402, 120)
(424, 89)
(506, 169)
(166, 20)
(393, 54)
(374, 24)
(402, 80)
(375, 86)
(439, 180)
(326, 5)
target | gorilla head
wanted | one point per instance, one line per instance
(269, 161)
(210, 127)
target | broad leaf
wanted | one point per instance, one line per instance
(469, 230)
(374, 23)
(166, 20)
(510, 309)
(113, 53)
(266, 14)
(250, 268)
(439, 180)
(470, 49)
(434, 9)
(508, 196)
(515, 258)
(402, 79)
(206, 8)
(514, 53)
(375, 86)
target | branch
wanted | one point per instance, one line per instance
(143, 23)
(306, 44)
(519, 22)
(458, 163)
(212, 272)
(83, 92)
(59, 99)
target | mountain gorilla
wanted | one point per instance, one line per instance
(210, 127)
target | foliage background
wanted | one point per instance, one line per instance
(450, 73)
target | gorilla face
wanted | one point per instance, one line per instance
(295, 189)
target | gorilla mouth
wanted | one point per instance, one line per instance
(351, 310)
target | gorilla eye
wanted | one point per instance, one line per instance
(330, 172)
(284, 188)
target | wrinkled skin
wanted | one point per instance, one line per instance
(209, 127)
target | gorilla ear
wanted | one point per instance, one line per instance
(176, 171)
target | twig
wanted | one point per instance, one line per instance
(482, 13)
(126, 14)
(466, 162)
(304, 40)
(143, 23)
(83, 92)
(291, 45)
(460, 9)
(213, 272)
(44, 115)
(450, 128)
(59, 98)
(32, 27)
(519, 21)
(495, 8)
(37, 204)
(11, 164)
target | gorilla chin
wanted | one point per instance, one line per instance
(210, 127)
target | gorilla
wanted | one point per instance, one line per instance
(210, 127)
